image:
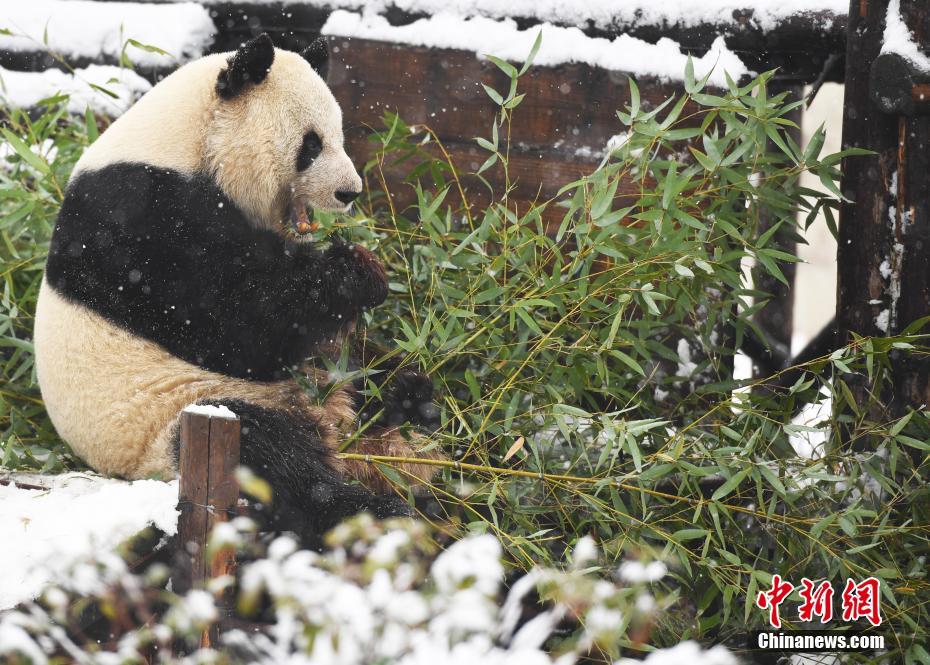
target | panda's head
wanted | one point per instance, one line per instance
(273, 141)
(260, 122)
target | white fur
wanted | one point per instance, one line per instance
(248, 144)
(114, 396)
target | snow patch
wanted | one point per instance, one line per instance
(663, 60)
(212, 410)
(635, 572)
(881, 321)
(686, 365)
(45, 532)
(87, 29)
(810, 428)
(27, 89)
(898, 39)
(687, 652)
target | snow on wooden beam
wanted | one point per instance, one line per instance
(797, 36)
(84, 32)
(504, 39)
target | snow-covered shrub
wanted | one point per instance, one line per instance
(383, 593)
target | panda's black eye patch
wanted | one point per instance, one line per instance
(310, 150)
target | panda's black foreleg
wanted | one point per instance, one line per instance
(309, 497)
(403, 394)
(406, 397)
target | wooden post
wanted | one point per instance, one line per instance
(884, 243)
(208, 494)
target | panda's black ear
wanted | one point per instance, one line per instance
(249, 65)
(317, 54)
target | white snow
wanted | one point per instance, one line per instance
(766, 14)
(881, 321)
(25, 89)
(810, 428)
(885, 269)
(474, 563)
(686, 365)
(82, 28)
(14, 640)
(211, 410)
(898, 39)
(45, 532)
(585, 552)
(687, 652)
(635, 572)
(485, 36)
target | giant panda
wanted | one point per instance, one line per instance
(175, 276)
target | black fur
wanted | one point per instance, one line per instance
(406, 397)
(310, 149)
(172, 259)
(317, 54)
(309, 497)
(250, 64)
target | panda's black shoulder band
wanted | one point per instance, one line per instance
(249, 65)
(169, 257)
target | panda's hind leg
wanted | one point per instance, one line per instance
(309, 494)
(410, 449)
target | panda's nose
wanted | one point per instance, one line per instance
(346, 196)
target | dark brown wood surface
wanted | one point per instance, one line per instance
(193, 470)
(884, 244)
(208, 495)
(559, 133)
(223, 496)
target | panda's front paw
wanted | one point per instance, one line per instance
(357, 276)
(408, 398)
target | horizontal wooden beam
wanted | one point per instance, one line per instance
(799, 46)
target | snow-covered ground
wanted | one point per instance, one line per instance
(85, 29)
(46, 531)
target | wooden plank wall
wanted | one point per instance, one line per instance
(559, 133)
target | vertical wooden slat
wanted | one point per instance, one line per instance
(867, 181)
(208, 495)
(911, 233)
(192, 496)
(223, 495)
(884, 243)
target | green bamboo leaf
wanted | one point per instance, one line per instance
(27, 155)
(731, 484)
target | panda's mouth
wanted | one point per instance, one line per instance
(302, 218)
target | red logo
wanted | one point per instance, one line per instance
(818, 601)
(774, 597)
(860, 601)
